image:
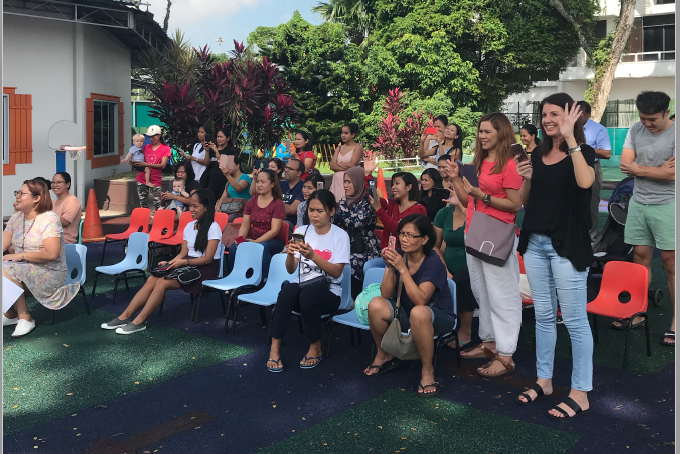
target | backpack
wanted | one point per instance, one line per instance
(362, 300)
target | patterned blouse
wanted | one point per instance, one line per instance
(359, 222)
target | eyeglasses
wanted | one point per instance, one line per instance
(58, 182)
(409, 235)
(290, 168)
(19, 193)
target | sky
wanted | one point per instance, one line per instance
(202, 21)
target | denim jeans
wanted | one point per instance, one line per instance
(552, 278)
(271, 248)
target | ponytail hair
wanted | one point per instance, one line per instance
(205, 198)
(532, 131)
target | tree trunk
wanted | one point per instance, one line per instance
(601, 85)
(167, 16)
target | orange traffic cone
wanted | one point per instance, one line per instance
(382, 188)
(92, 225)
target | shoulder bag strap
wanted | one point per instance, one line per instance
(400, 286)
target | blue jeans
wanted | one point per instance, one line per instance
(552, 277)
(271, 247)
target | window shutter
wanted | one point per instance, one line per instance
(20, 131)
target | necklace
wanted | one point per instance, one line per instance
(23, 240)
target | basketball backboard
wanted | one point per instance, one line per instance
(64, 132)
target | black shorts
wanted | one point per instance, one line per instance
(441, 321)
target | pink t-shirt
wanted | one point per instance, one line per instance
(69, 209)
(494, 185)
(152, 156)
(261, 218)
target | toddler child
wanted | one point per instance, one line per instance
(178, 189)
(136, 154)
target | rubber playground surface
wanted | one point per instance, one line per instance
(180, 387)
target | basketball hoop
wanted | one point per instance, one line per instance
(74, 152)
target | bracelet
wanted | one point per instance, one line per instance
(187, 260)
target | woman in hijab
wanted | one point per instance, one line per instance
(355, 215)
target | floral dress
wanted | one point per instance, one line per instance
(359, 220)
(44, 280)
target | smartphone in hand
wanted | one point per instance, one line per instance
(469, 171)
(319, 185)
(440, 194)
(298, 238)
(393, 243)
(519, 152)
(373, 188)
(431, 130)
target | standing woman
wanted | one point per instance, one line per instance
(321, 297)
(428, 180)
(405, 202)
(67, 206)
(346, 156)
(237, 191)
(199, 248)
(213, 179)
(529, 137)
(496, 288)
(303, 142)
(448, 142)
(556, 247)
(429, 143)
(356, 217)
(197, 157)
(39, 261)
(156, 155)
(262, 219)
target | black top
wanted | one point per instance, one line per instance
(432, 205)
(213, 178)
(560, 209)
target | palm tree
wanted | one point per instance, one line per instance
(357, 15)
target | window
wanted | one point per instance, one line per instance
(105, 128)
(653, 35)
(5, 129)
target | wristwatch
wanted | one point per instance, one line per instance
(487, 199)
(571, 150)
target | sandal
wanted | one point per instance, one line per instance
(434, 393)
(571, 403)
(539, 393)
(275, 369)
(460, 345)
(669, 334)
(625, 322)
(485, 353)
(508, 368)
(311, 366)
(385, 367)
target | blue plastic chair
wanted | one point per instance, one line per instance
(377, 262)
(76, 262)
(135, 262)
(246, 276)
(268, 295)
(371, 276)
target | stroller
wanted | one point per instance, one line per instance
(609, 244)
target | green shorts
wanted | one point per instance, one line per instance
(651, 225)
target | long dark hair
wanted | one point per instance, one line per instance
(559, 100)
(458, 141)
(409, 179)
(424, 227)
(189, 169)
(532, 131)
(274, 178)
(226, 130)
(308, 137)
(205, 198)
(435, 176)
(326, 198)
(279, 164)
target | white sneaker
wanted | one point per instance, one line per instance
(23, 327)
(9, 321)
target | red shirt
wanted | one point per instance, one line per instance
(390, 216)
(261, 218)
(495, 185)
(152, 156)
(307, 155)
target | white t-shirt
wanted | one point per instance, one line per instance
(198, 153)
(429, 165)
(333, 247)
(214, 233)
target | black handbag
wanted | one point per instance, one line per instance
(356, 242)
(322, 282)
(184, 274)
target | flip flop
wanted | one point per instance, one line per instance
(485, 353)
(670, 334)
(275, 369)
(571, 403)
(385, 367)
(460, 345)
(508, 368)
(434, 393)
(539, 391)
(311, 366)
(624, 324)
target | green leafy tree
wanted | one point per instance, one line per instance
(357, 15)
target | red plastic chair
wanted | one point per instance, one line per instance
(178, 238)
(139, 222)
(163, 228)
(286, 228)
(222, 219)
(621, 280)
(238, 220)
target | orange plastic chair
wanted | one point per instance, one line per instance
(139, 222)
(623, 296)
(178, 238)
(238, 220)
(222, 219)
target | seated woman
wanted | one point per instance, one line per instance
(186, 172)
(426, 305)
(67, 206)
(405, 202)
(277, 166)
(355, 216)
(307, 189)
(449, 226)
(237, 191)
(318, 297)
(39, 261)
(199, 248)
(428, 180)
(262, 218)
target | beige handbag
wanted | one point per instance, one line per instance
(394, 342)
